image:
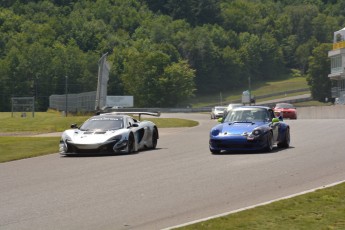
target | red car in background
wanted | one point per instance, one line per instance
(285, 110)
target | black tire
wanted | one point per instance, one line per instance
(130, 144)
(154, 138)
(286, 142)
(269, 146)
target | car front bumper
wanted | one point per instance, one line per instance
(114, 146)
(237, 143)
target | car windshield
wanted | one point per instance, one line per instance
(102, 124)
(247, 115)
(219, 108)
(284, 106)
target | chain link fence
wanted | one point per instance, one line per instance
(81, 102)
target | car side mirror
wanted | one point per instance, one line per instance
(134, 125)
(74, 126)
(274, 120)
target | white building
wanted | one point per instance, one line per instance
(337, 75)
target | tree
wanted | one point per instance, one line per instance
(303, 52)
(153, 78)
(176, 84)
(317, 78)
(195, 12)
(149, 43)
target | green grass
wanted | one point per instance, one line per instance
(15, 148)
(20, 147)
(45, 122)
(322, 209)
(258, 89)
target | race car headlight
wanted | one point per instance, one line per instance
(256, 132)
(66, 138)
(215, 132)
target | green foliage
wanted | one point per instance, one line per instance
(319, 62)
(194, 12)
(152, 78)
(222, 42)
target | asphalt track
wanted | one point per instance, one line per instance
(178, 182)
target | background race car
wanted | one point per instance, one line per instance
(285, 110)
(217, 112)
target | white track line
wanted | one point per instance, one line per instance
(253, 206)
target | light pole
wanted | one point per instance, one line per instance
(66, 93)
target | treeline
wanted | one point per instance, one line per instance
(161, 52)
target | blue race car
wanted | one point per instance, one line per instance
(249, 128)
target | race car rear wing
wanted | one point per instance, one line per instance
(156, 114)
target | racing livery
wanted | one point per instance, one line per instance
(110, 133)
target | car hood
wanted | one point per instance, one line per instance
(238, 128)
(90, 137)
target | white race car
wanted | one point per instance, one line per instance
(110, 133)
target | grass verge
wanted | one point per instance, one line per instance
(15, 148)
(322, 209)
(19, 147)
(46, 122)
(258, 89)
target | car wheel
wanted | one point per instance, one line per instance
(130, 144)
(154, 138)
(269, 146)
(215, 151)
(286, 142)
